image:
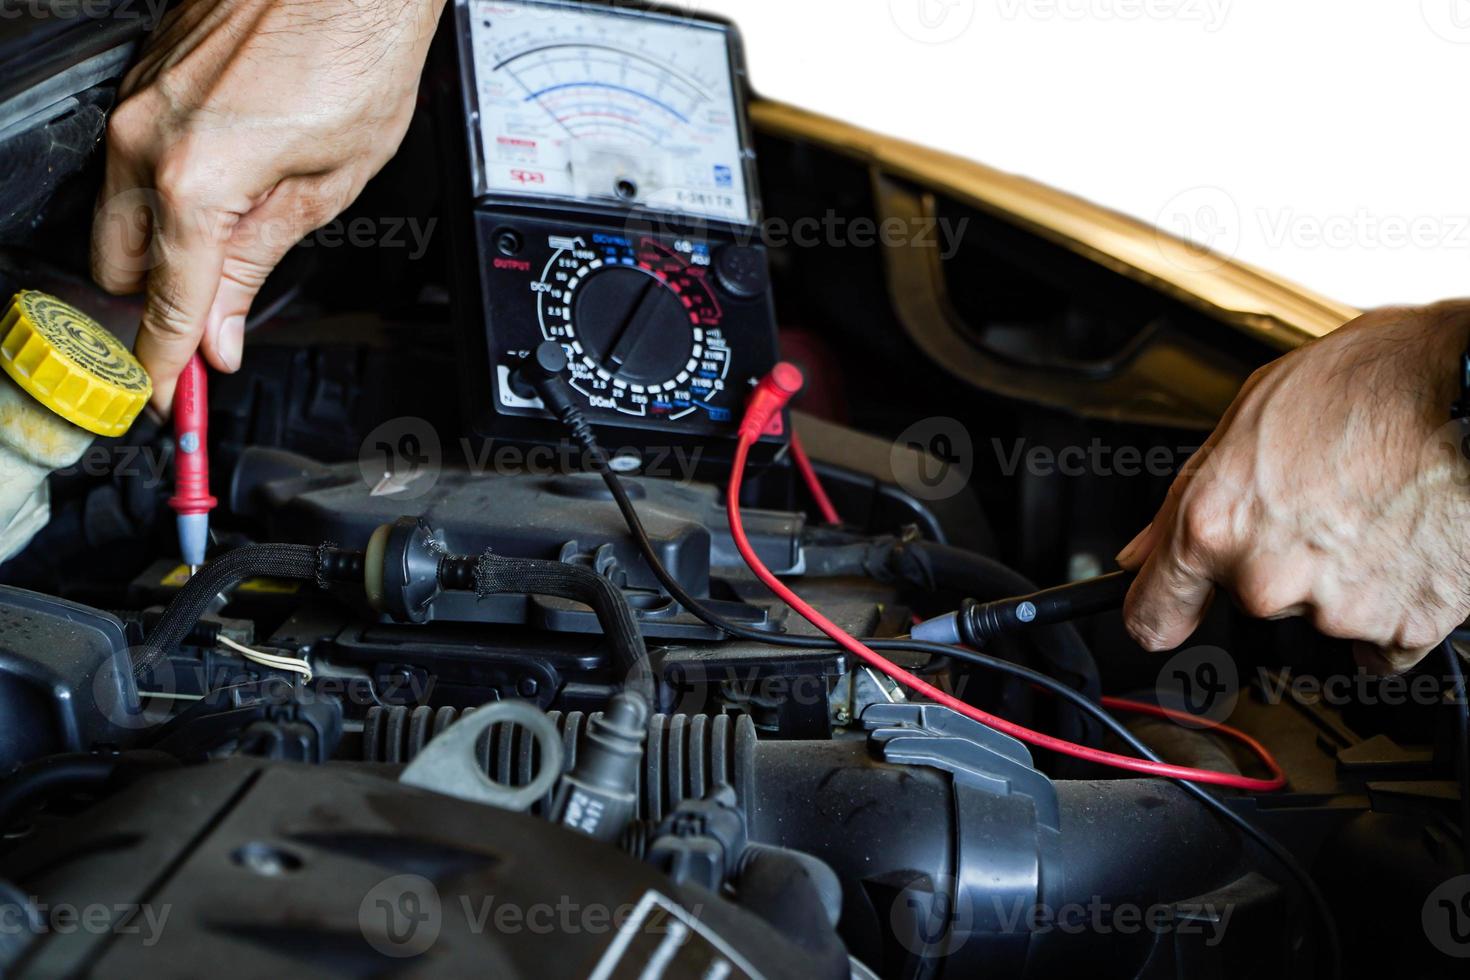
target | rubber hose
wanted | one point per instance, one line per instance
(496, 574)
(826, 886)
(798, 894)
(289, 561)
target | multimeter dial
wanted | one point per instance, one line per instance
(641, 325)
(633, 328)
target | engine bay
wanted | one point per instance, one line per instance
(483, 672)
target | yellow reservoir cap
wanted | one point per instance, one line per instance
(71, 364)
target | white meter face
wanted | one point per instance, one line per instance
(583, 103)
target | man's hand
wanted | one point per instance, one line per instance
(245, 126)
(1333, 488)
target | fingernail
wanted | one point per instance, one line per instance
(229, 343)
(1128, 552)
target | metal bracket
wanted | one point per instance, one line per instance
(974, 754)
(450, 765)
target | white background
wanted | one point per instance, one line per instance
(1325, 140)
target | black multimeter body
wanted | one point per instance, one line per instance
(608, 203)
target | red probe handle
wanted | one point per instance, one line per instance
(191, 439)
(763, 410)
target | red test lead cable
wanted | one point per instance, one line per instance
(191, 500)
(813, 482)
(1278, 775)
(770, 397)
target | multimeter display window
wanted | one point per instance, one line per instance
(577, 103)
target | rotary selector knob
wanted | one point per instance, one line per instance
(741, 271)
(633, 326)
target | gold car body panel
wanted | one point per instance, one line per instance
(1278, 311)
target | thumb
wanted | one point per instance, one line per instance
(294, 209)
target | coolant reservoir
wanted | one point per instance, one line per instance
(66, 381)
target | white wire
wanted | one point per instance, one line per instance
(269, 659)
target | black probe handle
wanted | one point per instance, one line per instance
(983, 621)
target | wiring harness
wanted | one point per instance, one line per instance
(770, 397)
